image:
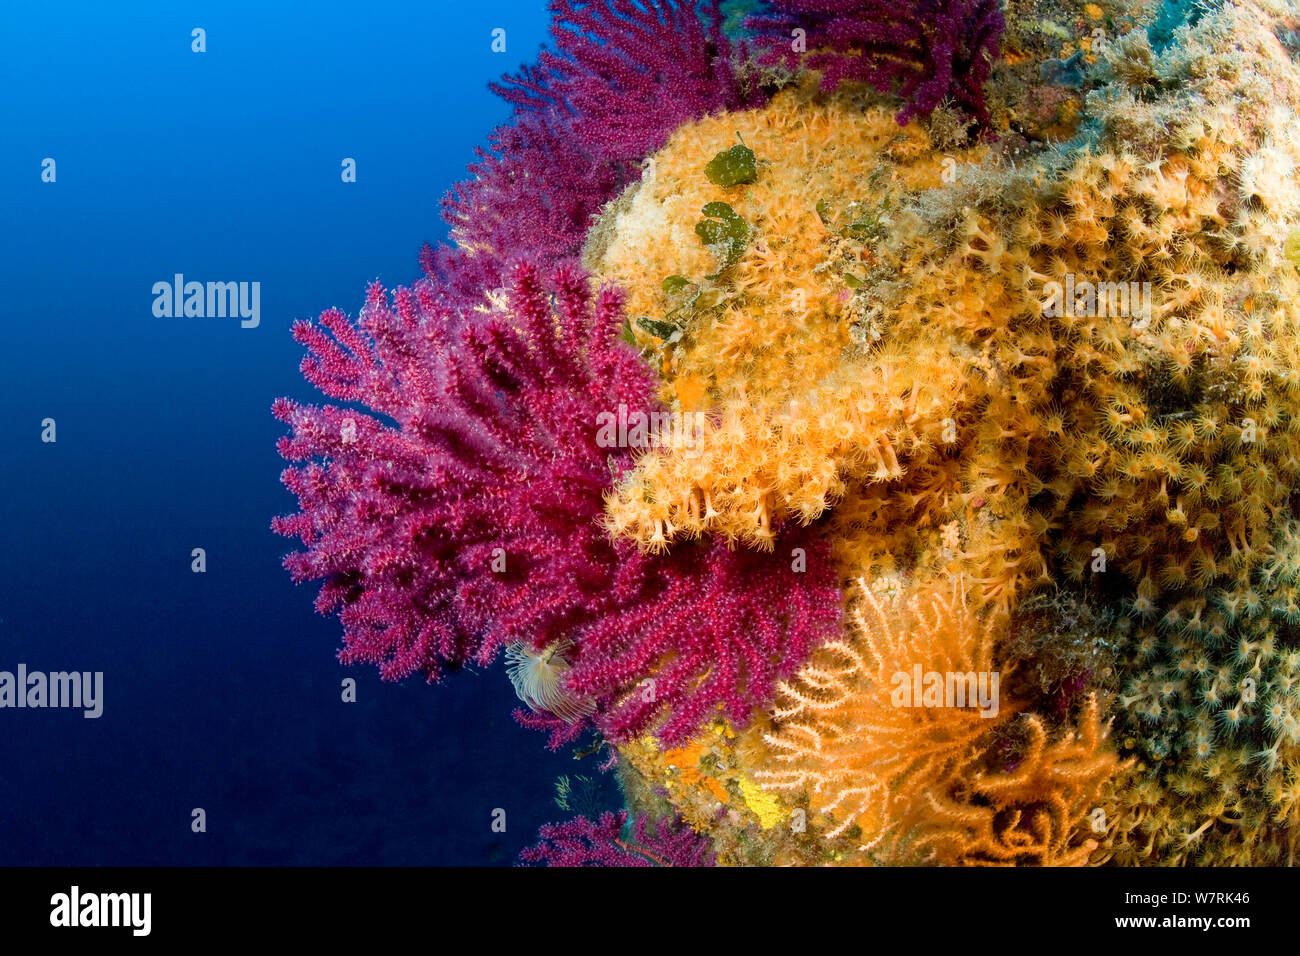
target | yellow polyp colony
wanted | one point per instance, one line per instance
(1048, 414)
(807, 390)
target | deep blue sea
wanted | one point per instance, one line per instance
(221, 690)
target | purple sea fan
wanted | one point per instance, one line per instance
(723, 627)
(625, 74)
(584, 842)
(621, 78)
(923, 51)
(467, 523)
(470, 515)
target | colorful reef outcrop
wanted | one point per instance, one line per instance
(876, 426)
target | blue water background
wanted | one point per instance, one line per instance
(221, 689)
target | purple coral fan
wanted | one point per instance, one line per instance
(723, 627)
(469, 524)
(622, 77)
(472, 518)
(583, 842)
(924, 51)
(559, 731)
(625, 74)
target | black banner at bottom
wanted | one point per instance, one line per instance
(926, 905)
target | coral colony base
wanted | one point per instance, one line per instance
(878, 425)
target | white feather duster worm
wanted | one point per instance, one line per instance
(538, 677)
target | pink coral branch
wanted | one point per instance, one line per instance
(620, 78)
(584, 842)
(923, 51)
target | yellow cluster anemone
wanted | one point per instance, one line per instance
(803, 386)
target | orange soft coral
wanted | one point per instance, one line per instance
(933, 783)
